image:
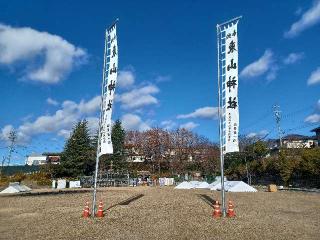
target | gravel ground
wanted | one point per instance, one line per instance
(161, 213)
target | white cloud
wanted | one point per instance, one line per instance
(314, 77)
(138, 98)
(134, 122)
(93, 125)
(293, 58)
(260, 66)
(272, 74)
(26, 118)
(161, 78)
(126, 78)
(64, 133)
(91, 106)
(46, 58)
(308, 19)
(204, 112)
(314, 118)
(168, 124)
(5, 131)
(260, 134)
(60, 123)
(189, 125)
(53, 102)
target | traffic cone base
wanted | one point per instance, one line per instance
(217, 210)
(100, 210)
(231, 212)
(86, 211)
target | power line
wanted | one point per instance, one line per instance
(258, 120)
(305, 125)
(277, 115)
(268, 113)
(291, 114)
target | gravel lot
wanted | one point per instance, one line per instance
(161, 213)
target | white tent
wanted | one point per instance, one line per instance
(213, 184)
(15, 187)
(234, 186)
(184, 185)
(203, 185)
(194, 183)
(217, 181)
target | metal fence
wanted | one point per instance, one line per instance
(113, 179)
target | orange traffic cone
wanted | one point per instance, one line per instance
(231, 212)
(86, 211)
(217, 210)
(100, 210)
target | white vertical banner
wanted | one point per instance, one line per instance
(230, 101)
(110, 73)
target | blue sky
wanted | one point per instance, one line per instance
(51, 56)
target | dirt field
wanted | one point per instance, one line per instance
(161, 213)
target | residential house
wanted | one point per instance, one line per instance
(317, 131)
(36, 159)
(133, 154)
(299, 141)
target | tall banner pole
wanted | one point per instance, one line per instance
(110, 73)
(227, 44)
(220, 114)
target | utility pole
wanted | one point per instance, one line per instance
(12, 138)
(245, 159)
(277, 115)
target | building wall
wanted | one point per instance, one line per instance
(299, 143)
(53, 159)
(318, 137)
(36, 160)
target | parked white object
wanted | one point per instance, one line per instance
(235, 186)
(162, 182)
(74, 184)
(62, 183)
(169, 181)
(54, 184)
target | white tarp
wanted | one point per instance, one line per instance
(194, 183)
(216, 182)
(230, 82)
(234, 186)
(184, 185)
(203, 185)
(10, 189)
(110, 73)
(16, 187)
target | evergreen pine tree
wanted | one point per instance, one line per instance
(117, 158)
(78, 156)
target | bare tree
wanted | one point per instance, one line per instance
(12, 137)
(174, 151)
